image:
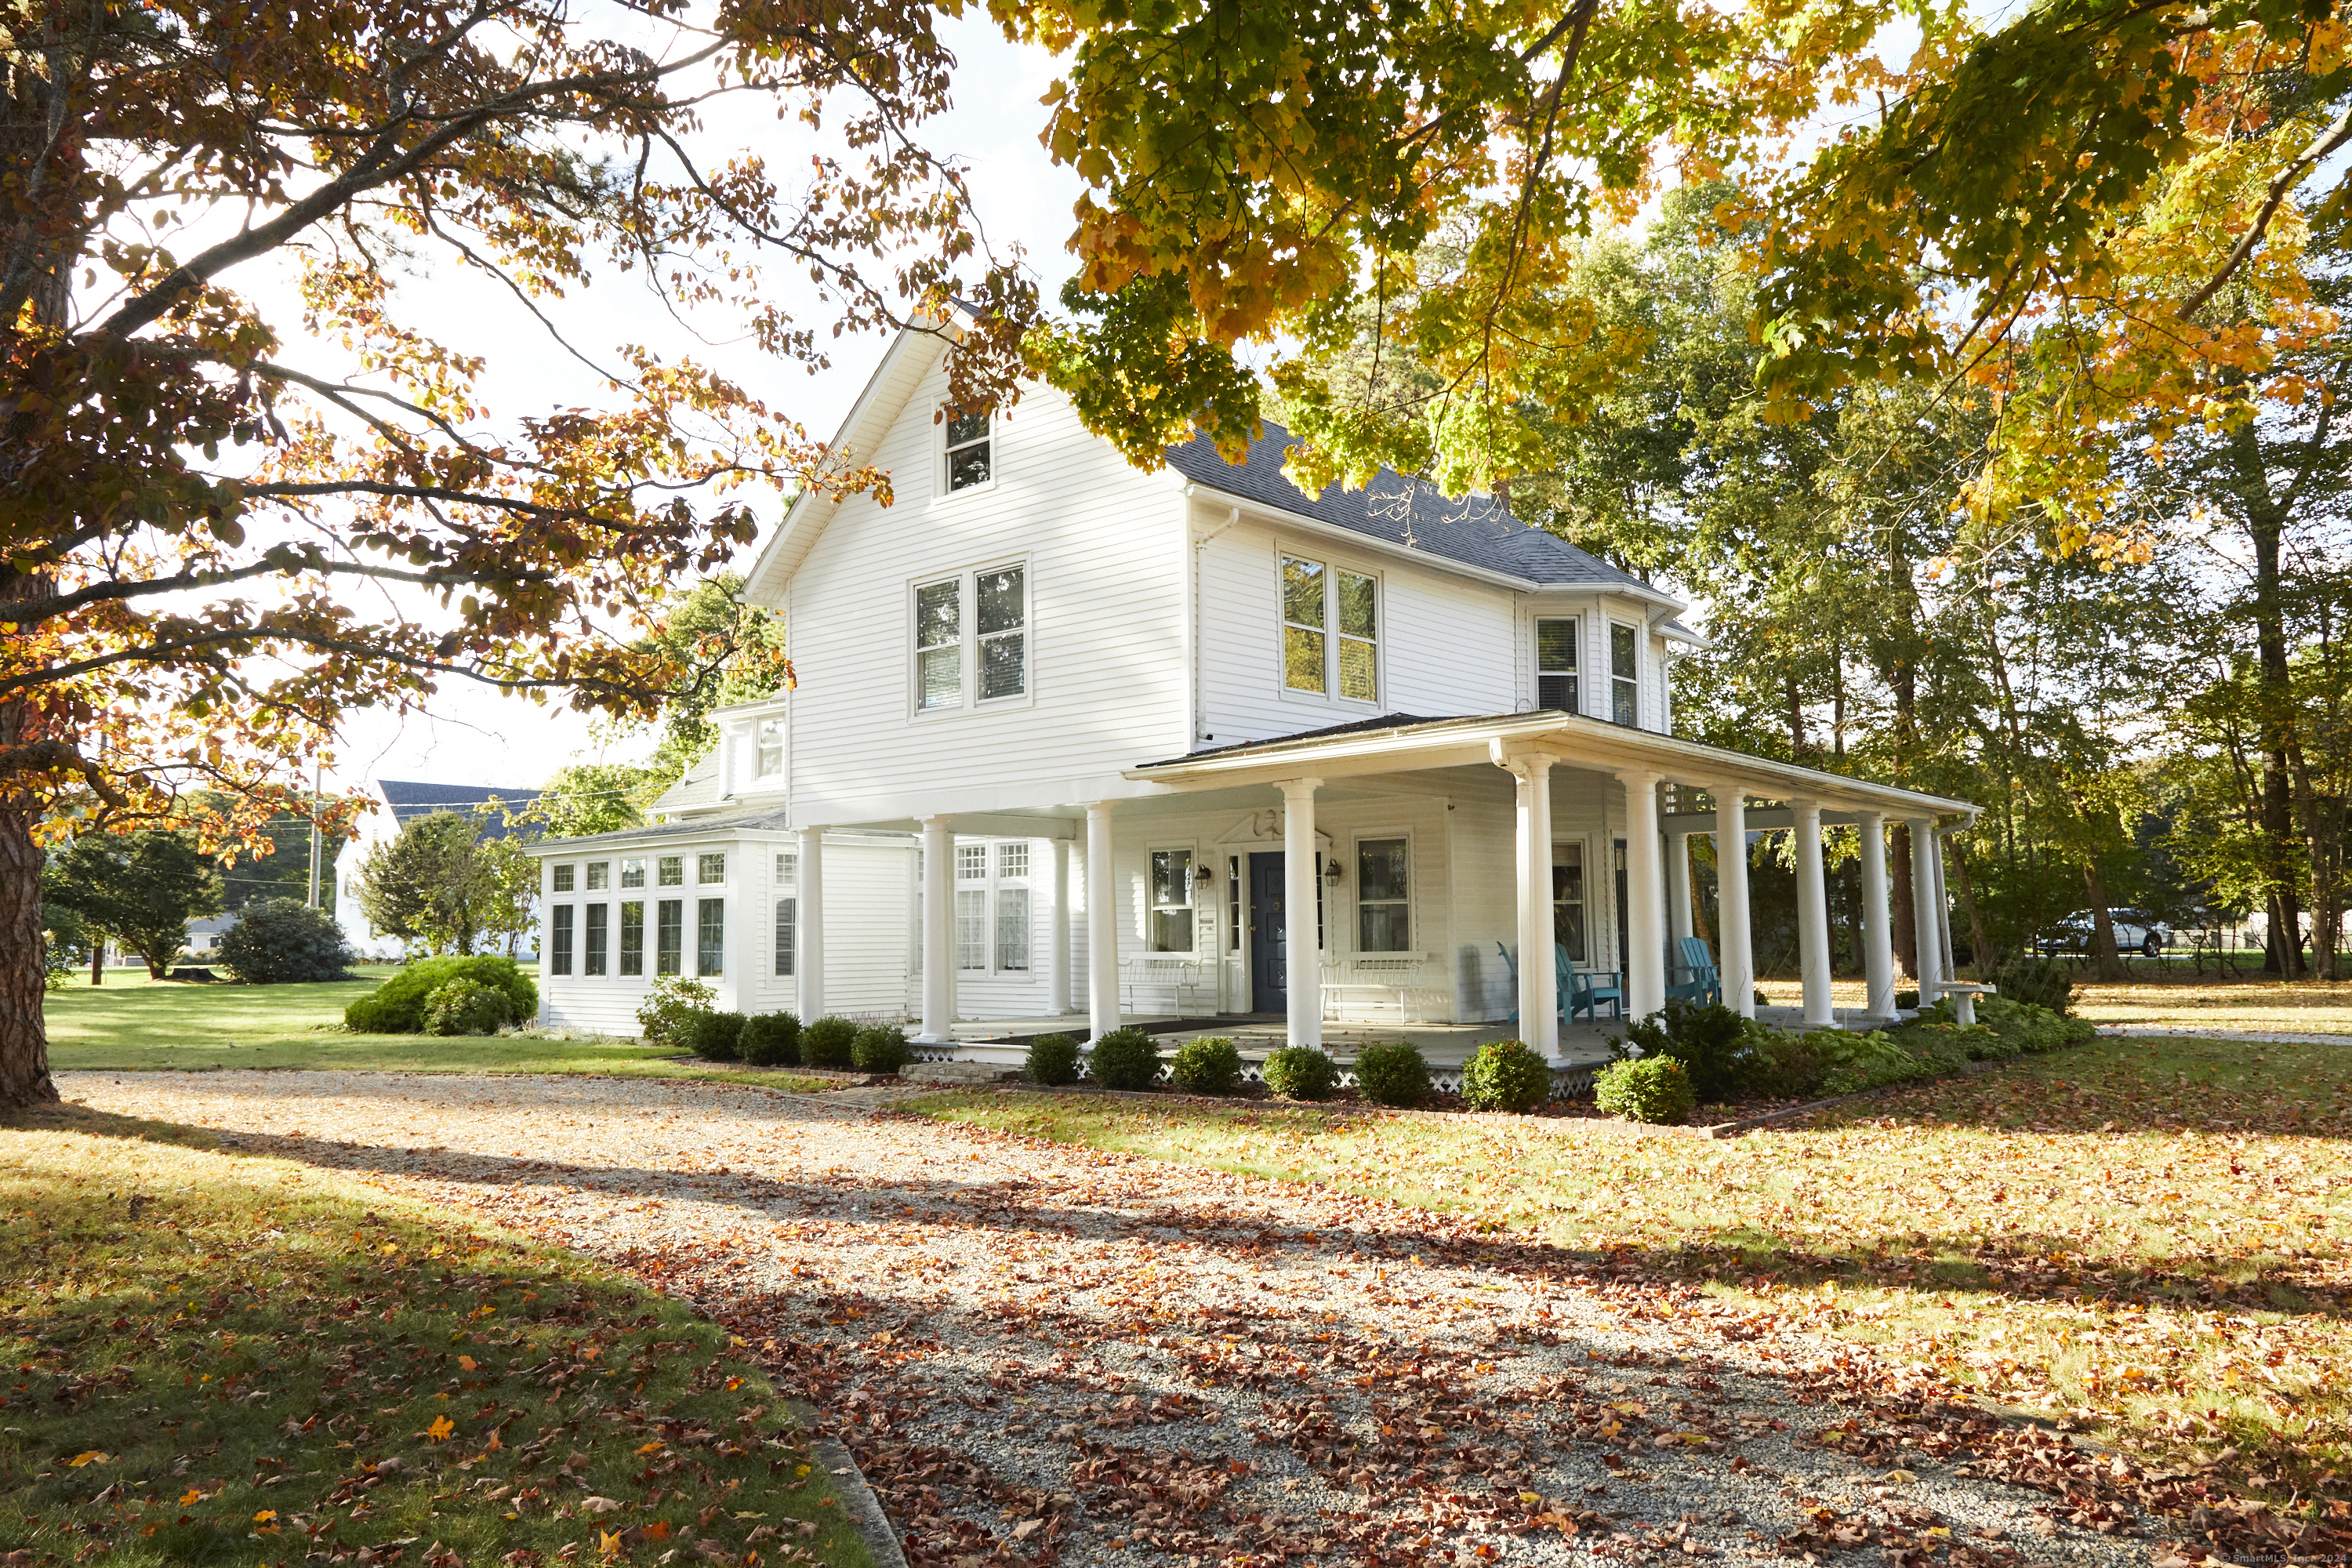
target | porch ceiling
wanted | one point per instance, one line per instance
(1574, 739)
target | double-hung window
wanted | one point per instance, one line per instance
(669, 927)
(1383, 903)
(1555, 664)
(971, 906)
(788, 867)
(972, 639)
(710, 937)
(633, 933)
(968, 451)
(1013, 908)
(767, 742)
(558, 943)
(1624, 680)
(592, 959)
(1568, 899)
(1330, 630)
(1170, 926)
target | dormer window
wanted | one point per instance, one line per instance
(768, 744)
(1624, 680)
(1555, 664)
(968, 442)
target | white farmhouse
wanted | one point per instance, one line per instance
(398, 801)
(1074, 739)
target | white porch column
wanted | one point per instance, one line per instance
(1057, 941)
(1302, 979)
(939, 926)
(808, 920)
(1678, 889)
(1877, 917)
(1812, 916)
(1737, 962)
(1538, 970)
(1102, 925)
(1645, 918)
(1926, 908)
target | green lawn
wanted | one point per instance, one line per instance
(2151, 1236)
(227, 1359)
(132, 1024)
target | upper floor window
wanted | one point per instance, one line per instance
(972, 639)
(711, 867)
(1555, 664)
(1624, 682)
(769, 741)
(968, 445)
(564, 875)
(1329, 646)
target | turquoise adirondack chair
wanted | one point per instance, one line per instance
(1696, 978)
(1583, 990)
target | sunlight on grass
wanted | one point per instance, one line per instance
(2155, 1235)
(222, 1358)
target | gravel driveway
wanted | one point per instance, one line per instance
(1042, 1355)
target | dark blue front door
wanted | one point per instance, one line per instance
(1269, 968)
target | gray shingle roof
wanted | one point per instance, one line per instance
(768, 818)
(1477, 530)
(410, 799)
(697, 790)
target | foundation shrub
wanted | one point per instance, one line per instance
(1301, 1072)
(397, 1006)
(1124, 1058)
(880, 1049)
(828, 1043)
(770, 1040)
(1392, 1074)
(1505, 1075)
(716, 1037)
(666, 1016)
(1052, 1059)
(1713, 1043)
(1211, 1065)
(1655, 1090)
(2043, 982)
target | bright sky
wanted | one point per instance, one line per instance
(474, 735)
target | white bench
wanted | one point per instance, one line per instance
(1963, 994)
(1179, 975)
(1377, 979)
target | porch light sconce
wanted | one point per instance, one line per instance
(1331, 870)
(1206, 877)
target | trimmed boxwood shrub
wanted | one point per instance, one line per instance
(829, 1043)
(464, 1006)
(282, 940)
(667, 1015)
(1392, 1075)
(881, 1049)
(1052, 1058)
(397, 1006)
(770, 1040)
(1505, 1075)
(715, 1036)
(1124, 1058)
(1211, 1065)
(1301, 1072)
(1655, 1089)
(1710, 1040)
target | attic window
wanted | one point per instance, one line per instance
(968, 451)
(770, 744)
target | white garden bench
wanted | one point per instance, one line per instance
(1180, 977)
(1373, 981)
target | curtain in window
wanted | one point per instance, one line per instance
(972, 928)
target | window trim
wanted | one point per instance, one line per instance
(1634, 680)
(1582, 842)
(1152, 908)
(1334, 566)
(941, 493)
(559, 940)
(1356, 886)
(761, 772)
(564, 877)
(1575, 671)
(969, 640)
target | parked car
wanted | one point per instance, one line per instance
(2133, 927)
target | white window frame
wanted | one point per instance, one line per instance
(564, 877)
(1334, 568)
(760, 747)
(1582, 844)
(1608, 653)
(969, 640)
(1355, 864)
(702, 858)
(941, 452)
(1153, 908)
(1574, 673)
(972, 891)
(1001, 881)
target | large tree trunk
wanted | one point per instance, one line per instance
(2265, 525)
(24, 976)
(2107, 963)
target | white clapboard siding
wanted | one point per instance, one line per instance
(1102, 545)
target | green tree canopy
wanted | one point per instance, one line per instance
(139, 890)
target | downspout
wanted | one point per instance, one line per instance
(1199, 708)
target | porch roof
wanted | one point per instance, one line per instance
(1403, 742)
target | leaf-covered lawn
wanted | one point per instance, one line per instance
(224, 1359)
(132, 1023)
(2153, 1237)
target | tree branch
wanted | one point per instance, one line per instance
(2286, 180)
